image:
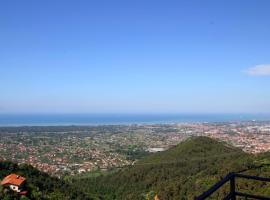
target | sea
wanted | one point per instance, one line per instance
(122, 119)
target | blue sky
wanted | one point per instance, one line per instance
(143, 56)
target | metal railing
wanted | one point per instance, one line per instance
(233, 193)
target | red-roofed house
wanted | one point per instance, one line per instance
(14, 181)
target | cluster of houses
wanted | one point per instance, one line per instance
(15, 183)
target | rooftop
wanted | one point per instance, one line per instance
(13, 179)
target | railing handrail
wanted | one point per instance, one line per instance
(232, 195)
(215, 187)
(258, 178)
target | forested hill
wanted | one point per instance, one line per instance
(181, 172)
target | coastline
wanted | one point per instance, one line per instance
(17, 120)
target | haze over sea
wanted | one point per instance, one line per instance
(115, 119)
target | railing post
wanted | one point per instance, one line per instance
(232, 186)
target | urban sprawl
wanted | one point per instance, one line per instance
(72, 150)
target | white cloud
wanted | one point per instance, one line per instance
(259, 70)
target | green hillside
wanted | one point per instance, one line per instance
(181, 172)
(39, 185)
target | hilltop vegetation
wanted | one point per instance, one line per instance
(39, 184)
(181, 172)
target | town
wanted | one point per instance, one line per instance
(70, 150)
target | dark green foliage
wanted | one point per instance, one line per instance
(39, 184)
(179, 173)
